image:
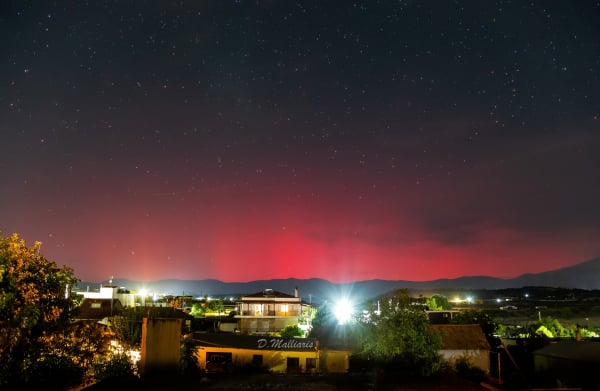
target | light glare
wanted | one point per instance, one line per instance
(343, 311)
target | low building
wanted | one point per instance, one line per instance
(217, 352)
(270, 311)
(464, 341)
(569, 362)
(441, 317)
(126, 297)
(96, 309)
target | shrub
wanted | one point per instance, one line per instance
(292, 331)
(114, 365)
(464, 368)
(189, 363)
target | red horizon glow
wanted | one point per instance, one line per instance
(275, 241)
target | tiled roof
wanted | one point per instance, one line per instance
(461, 336)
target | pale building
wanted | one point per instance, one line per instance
(270, 311)
(220, 352)
(464, 341)
(126, 298)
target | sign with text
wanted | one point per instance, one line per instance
(286, 344)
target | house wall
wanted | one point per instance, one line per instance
(265, 325)
(275, 360)
(335, 361)
(330, 361)
(477, 358)
(127, 299)
(161, 345)
(106, 292)
(270, 309)
(110, 292)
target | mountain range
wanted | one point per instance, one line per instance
(585, 275)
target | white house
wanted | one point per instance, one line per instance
(126, 298)
(464, 341)
(270, 311)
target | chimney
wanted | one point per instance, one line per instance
(296, 292)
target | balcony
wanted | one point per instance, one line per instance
(270, 313)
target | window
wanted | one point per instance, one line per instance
(96, 305)
(257, 359)
(218, 361)
(311, 363)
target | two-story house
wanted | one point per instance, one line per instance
(270, 311)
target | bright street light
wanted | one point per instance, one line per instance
(342, 310)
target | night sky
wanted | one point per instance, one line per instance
(243, 140)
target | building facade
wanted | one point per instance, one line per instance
(464, 341)
(126, 297)
(270, 311)
(218, 352)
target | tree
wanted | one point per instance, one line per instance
(215, 306)
(488, 326)
(197, 310)
(62, 358)
(437, 303)
(323, 325)
(552, 328)
(36, 335)
(291, 331)
(396, 334)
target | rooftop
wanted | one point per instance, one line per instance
(461, 336)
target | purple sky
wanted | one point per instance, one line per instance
(244, 140)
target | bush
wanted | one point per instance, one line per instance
(291, 331)
(115, 365)
(53, 373)
(464, 368)
(189, 363)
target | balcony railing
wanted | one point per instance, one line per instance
(270, 313)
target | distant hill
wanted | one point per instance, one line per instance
(585, 275)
